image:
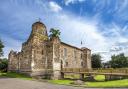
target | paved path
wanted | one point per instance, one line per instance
(13, 83)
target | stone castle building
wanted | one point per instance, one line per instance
(41, 56)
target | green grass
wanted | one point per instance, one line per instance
(100, 82)
(62, 82)
(14, 75)
(72, 76)
(115, 83)
(100, 78)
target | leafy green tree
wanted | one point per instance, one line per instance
(1, 48)
(3, 64)
(54, 32)
(96, 61)
(119, 61)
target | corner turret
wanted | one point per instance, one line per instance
(38, 33)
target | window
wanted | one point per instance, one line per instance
(82, 63)
(65, 52)
(81, 56)
(42, 52)
(66, 63)
(61, 53)
(74, 54)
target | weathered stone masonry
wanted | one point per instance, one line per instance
(41, 56)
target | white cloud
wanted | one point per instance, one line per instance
(74, 30)
(67, 2)
(54, 6)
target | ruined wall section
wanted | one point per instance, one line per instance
(25, 57)
(13, 61)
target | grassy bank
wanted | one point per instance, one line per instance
(114, 83)
(14, 75)
(100, 82)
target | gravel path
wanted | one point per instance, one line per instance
(14, 83)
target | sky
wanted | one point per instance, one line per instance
(101, 25)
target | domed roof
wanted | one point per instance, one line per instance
(38, 23)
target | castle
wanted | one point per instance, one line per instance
(41, 55)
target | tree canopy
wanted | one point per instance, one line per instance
(119, 61)
(1, 48)
(54, 32)
(96, 61)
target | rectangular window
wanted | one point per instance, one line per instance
(81, 56)
(66, 63)
(82, 64)
(74, 54)
(61, 53)
(65, 52)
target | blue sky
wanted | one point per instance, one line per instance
(102, 25)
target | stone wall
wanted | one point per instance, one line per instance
(70, 56)
(56, 58)
(86, 57)
(49, 55)
(39, 49)
(25, 58)
(73, 57)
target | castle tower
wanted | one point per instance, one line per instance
(39, 40)
(34, 50)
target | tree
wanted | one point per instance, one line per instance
(119, 61)
(96, 61)
(54, 32)
(3, 64)
(1, 48)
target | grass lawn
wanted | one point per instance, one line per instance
(99, 78)
(14, 75)
(63, 82)
(115, 83)
(99, 82)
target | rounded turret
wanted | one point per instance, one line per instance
(39, 27)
